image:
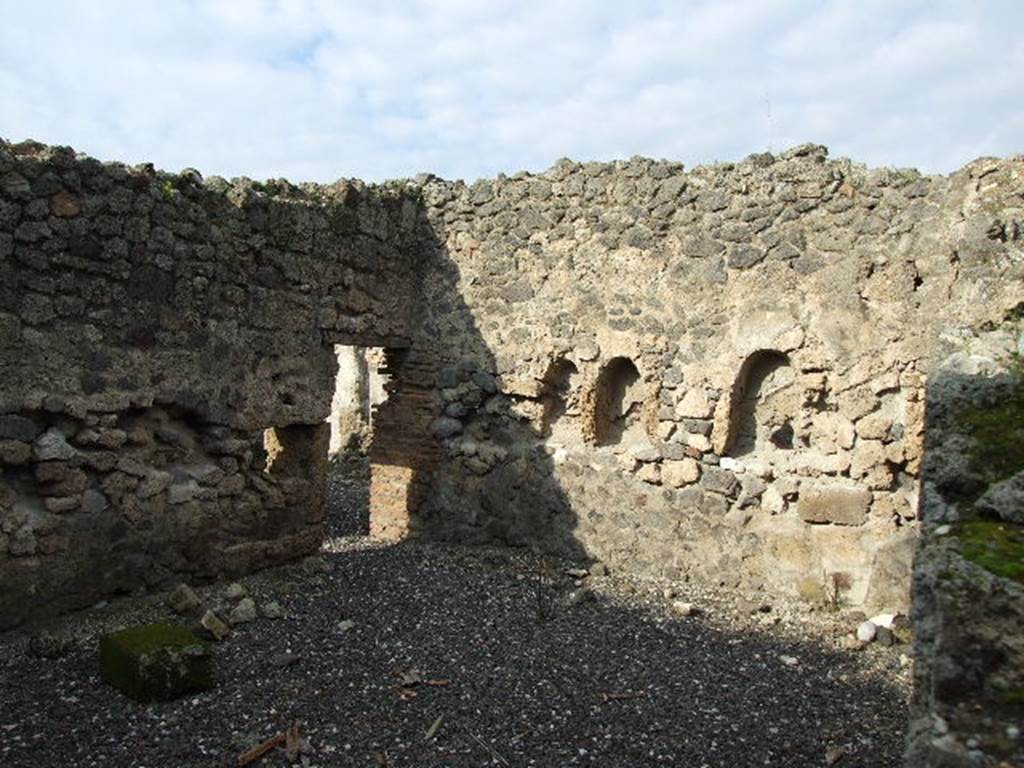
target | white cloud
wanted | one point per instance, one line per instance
(318, 90)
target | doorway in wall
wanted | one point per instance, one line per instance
(360, 388)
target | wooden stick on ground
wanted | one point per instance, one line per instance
(292, 745)
(251, 756)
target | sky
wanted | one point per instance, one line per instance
(316, 91)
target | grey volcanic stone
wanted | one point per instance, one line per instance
(14, 427)
(243, 613)
(720, 481)
(1005, 499)
(445, 427)
(52, 446)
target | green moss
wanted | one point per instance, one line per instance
(1013, 696)
(153, 637)
(155, 662)
(998, 434)
(996, 547)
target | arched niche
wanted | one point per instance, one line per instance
(559, 400)
(764, 406)
(617, 403)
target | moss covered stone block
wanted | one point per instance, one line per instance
(155, 662)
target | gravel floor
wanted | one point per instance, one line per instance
(347, 495)
(383, 644)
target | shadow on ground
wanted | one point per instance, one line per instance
(615, 680)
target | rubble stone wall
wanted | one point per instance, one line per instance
(968, 589)
(153, 327)
(714, 374)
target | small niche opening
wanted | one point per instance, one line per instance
(560, 402)
(764, 406)
(618, 404)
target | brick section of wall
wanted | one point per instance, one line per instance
(402, 444)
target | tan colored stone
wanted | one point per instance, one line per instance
(666, 429)
(64, 205)
(700, 442)
(772, 501)
(61, 504)
(649, 473)
(857, 403)
(866, 455)
(695, 405)
(680, 473)
(833, 504)
(816, 463)
(874, 426)
(14, 452)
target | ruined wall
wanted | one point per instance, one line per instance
(968, 616)
(716, 374)
(152, 328)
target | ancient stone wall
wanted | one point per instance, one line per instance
(167, 366)
(716, 374)
(968, 590)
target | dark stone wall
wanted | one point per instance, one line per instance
(153, 327)
(968, 588)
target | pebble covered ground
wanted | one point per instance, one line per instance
(431, 656)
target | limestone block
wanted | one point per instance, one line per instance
(874, 426)
(816, 463)
(831, 431)
(888, 505)
(857, 403)
(845, 432)
(650, 473)
(695, 405)
(772, 501)
(155, 662)
(834, 504)
(680, 473)
(866, 455)
(700, 442)
(894, 453)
